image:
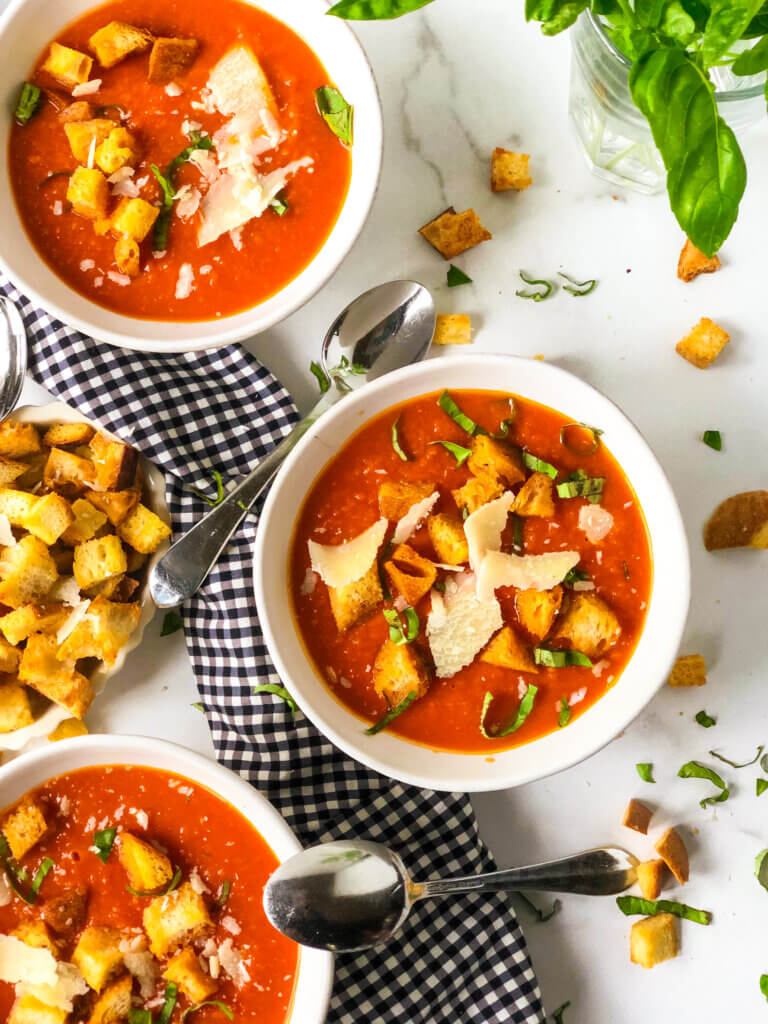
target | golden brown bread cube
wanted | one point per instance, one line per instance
(448, 539)
(98, 560)
(170, 58)
(65, 913)
(18, 439)
(704, 343)
(60, 435)
(671, 848)
(637, 817)
(28, 1009)
(50, 517)
(88, 192)
(478, 491)
(452, 329)
(410, 573)
(144, 530)
(649, 877)
(177, 918)
(119, 149)
(114, 1003)
(15, 710)
(509, 170)
(587, 624)
(692, 262)
(68, 473)
(356, 601)
(507, 650)
(128, 257)
(115, 463)
(17, 625)
(103, 633)
(10, 657)
(536, 610)
(536, 497)
(116, 41)
(495, 458)
(396, 497)
(28, 572)
(10, 470)
(399, 670)
(36, 934)
(653, 940)
(24, 826)
(61, 683)
(88, 521)
(739, 521)
(85, 136)
(184, 970)
(34, 473)
(688, 670)
(453, 233)
(98, 955)
(116, 505)
(16, 505)
(69, 67)
(133, 218)
(147, 868)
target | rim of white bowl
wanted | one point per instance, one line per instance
(428, 375)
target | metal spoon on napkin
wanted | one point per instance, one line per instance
(348, 896)
(383, 329)
(13, 357)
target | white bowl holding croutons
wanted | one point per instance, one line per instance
(154, 494)
(648, 665)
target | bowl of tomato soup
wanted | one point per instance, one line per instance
(136, 869)
(483, 576)
(176, 181)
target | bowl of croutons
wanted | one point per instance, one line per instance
(82, 516)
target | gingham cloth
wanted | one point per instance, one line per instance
(462, 960)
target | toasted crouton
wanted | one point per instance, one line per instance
(453, 233)
(98, 955)
(61, 435)
(184, 970)
(33, 474)
(15, 710)
(653, 940)
(587, 624)
(10, 470)
(28, 1009)
(396, 497)
(507, 650)
(448, 539)
(496, 458)
(28, 572)
(88, 192)
(398, 670)
(103, 633)
(536, 610)
(637, 816)
(24, 826)
(36, 935)
(409, 573)
(42, 670)
(119, 149)
(478, 491)
(116, 41)
(98, 560)
(177, 918)
(16, 505)
(18, 439)
(133, 218)
(116, 505)
(739, 521)
(704, 343)
(68, 473)
(114, 1004)
(536, 497)
(10, 657)
(147, 868)
(509, 170)
(452, 329)
(19, 624)
(170, 58)
(671, 848)
(83, 136)
(65, 913)
(649, 876)
(356, 601)
(49, 518)
(115, 462)
(692, 262)
(688, 670)
(69, 67)
(128, 257)
(143, 530)
(87, 522)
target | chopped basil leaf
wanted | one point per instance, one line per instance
(103, 842)
(226, 889)
(540, 914)
(460, 453)
(279, 205)
(560, 659)
(705, 720)
(575, 576)
(397, 634)
(713, 439)
(761, 868)
(336, 112)
(539, 465)
(140, 1017)
(537, 296)
(198, 706)
(631, 905)
(518, 532)
(15, 874)
(391, 714)
(596, 433)
(504, 428)
(172, 623)
(219, 491)
(557, 1015)
(396, 442)
(322, 381)
(173, 884)
(525, 708)
(580, 485)
(449, 407)
(694, 770)
(578, 288)
(211, 1002)
(564, 715)
(645, 771)
(40, 874)
(764, 984)
(278, 691)
(53, 176)
(760, 786)
(27, 104)
(455, 277)
(168, 188)
(733, 764)
(171, 991)
(439, 586)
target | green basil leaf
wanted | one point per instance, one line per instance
(375, 10)
(761, 868)
(705, 720)
(538, 465)
(575, 576)
(537, 296)
(279, 204)
(678, 24)
(391, 714)
(198, 706)
(713, 439)
(764, 763)
(728, 20)
(103, 841)
(560, 659)
(397, 634)
(335, 111)
(540, 914)
(139, 1016)
(322, 381)
(456, 277)
(648, 12)
(631, 905)
(171, 992)
(578, 288)
(564, 714)
(211, 1002)
(645, 771)
(760, 786)
(173, 884)
(581, 486)
(733, 764)
(753, 61)
(219, 491)
(168, 188)
(277, 691)
(764, 984)
(172, 623)
(555, 15)
(458, 451)
(525, 708)
(518, 532)
(460, 418)
(706, 173)
(27, 103)
(694, 770)
(15, 874)
(396, 442)
(557, 1015)
(40, 874)
(226, 889)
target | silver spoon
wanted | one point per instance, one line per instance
(347, 896)
(383, 329)
(13, 357)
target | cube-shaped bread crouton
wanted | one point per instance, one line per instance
(84, 136)
(98, 955)
(536, 610)
(16, 505)
(453, 233)
(170, 58)
(509, 170)
(59, 682)
(88, 521)
(739, 521)
(28, 572)
(114, 1004)
(637, 817)
(50, 517)
(478, 491)
(10, 470)
(136, 559)
(649, 877)
(452, 329)
(177, 918)
(61, 435)
(24, 826)
(67, 66)
(689, 670)
(692, 262)
(147, 868)
(34, 472)
(448, 539)
(80, 110)
(397, 496)
(116, 41)
(399, 670)
(66, 912)
(409, 573)
(98, 560)
(536, 497)
(15, 710)
(671, 848)
(128, 257)
(653, 940)
(32, 618)
(28, 1009)
(68, 473)
(88, 192)
(119, 149)
(133, 218)
(125, 589)
(103, 633)
(10, 657)
(69, 729)
(115, 462)
(18, 439)
(116, 505)
(703, 345)
(144, 530)
(184, 970)
(356, 601)
(496, 458)
(36, 935)
(507, 650)
(587, 624)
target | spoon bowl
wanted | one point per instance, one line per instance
(13, 357)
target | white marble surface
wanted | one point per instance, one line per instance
(457, 80)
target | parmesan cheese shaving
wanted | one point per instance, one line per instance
(122, 279)
(66, 590)
(6, 533)
(172, 89)
(484, 527)
(187, 201)
(526, 572)
(69, 985)
(338, 565)
(91, 153)
(237, 84)
(595, 521)
(232, 962)
(460, 625)
(87, 88)
(144, 969)
(184, 284)
(76, 616)
(5, 891)
(410, 521)
(35, 971)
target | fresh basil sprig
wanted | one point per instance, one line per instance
(335, 111)
(103, 841)
(375, 10)
(398, 633)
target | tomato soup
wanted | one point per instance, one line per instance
(244, 214)
(511, 576)
(154, 893)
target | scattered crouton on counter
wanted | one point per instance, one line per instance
(453, 233)
(637, 817)
(671, 848)
(650, 874)
(704, 343)
(453, 329)
(688, 670)
(654, 940)
(509, 171)
(692, 262)
(739, 521)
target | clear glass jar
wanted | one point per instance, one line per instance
(614, 136)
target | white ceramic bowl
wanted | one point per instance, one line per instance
(315, 969)
(26, 27)
(655, 652)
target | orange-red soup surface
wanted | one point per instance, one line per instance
(343, 501)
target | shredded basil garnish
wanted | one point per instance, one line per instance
(198, 706)
(557, 1015)
(525, 708)
(278, 691)
(460, 453)
(537, 296)
(564, 715)
(625, 569)
(168, 188)
(460, 418)
(15, 873)
(578, 288)
(336, 112)
(539, 465)
(226, 889)
(140, 1016)
(760, 786)
(631, 905)
(397, 634)
(713, 439)
(28, 103)
(575, 576)
(540, 914)
(761, 868)
(596, 433)
(171, 991)
(456, 277)
(322, 381)
(645, 771)
(560, 659)
(733, 764)
(172, 623)
(211, 1002)
(219, 490)
(52, 177)
(279, 205)
(173, 884)
(391, 715)
(764, 984)
(396, 442)
(439, 586)
(40, 874)
(580, 485)
(705, 720)
(504, 428)
(694, 770)
(518, 532)
(103, 842)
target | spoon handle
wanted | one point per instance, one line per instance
(593, 873)
(186, 564)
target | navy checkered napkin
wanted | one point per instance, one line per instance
(462, 960)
